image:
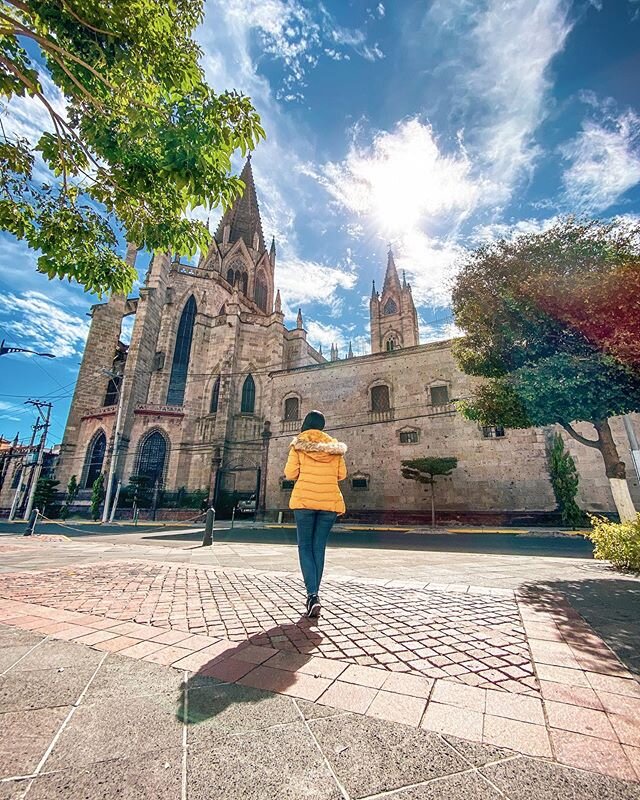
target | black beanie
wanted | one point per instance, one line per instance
(314, 421)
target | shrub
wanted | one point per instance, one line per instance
(564, 480)
(617, 542)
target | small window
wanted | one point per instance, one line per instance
(380, 398)
(215, 396)
(390, 306)
(492, 431)
(17, 473)
(391, 345)
(292, 408)
(286, 485)
(408, 437)
(439, 395)
(360, 482)
(248, 396)
(230, 276)
(245, 283)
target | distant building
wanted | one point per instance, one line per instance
(216, 386)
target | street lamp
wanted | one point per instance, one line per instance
(116, 444)
(4, 350)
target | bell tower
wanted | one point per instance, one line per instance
(394, 320)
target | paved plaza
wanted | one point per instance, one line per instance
(182, 672)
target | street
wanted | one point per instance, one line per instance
(539, 542)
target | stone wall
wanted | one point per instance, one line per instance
(508, 473)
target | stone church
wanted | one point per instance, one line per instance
(214, 386)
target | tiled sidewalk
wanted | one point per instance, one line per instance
(574, 702)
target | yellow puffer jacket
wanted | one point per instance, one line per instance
(316, 464)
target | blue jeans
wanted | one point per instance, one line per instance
(313, 529)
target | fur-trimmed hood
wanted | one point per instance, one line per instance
(318, 444)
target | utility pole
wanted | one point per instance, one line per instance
(35, 476)
(17, 497)
(116, 447)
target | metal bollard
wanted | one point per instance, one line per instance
(31, 525)
(207, 539)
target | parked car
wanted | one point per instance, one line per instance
(247, 506)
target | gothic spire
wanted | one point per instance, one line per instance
(350, 353)
(404, 280)
(391, 279)
(299, 319)
(243, 218)
(272, 251)
(278, 304)
(374, 294)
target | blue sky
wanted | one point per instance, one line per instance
(433, 126)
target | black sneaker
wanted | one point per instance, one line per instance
(313, 606)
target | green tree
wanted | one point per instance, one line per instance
(542, 366)
(72, 492)
(565, 480)
(142, 138)
(97, 496)
(45, 493)
(426, 470)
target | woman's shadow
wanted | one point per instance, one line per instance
(242, 673)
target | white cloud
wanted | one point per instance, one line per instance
(604, 162)
(509, 230)
(401, 179)
(293, 34)
(302, 283)
(43, 325)
(438, 330)
(515, 44)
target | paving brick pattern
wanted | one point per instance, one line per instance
(475, 639)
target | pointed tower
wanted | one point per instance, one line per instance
(272, 252)
(394, 320)
(242, 220)
(299, 323)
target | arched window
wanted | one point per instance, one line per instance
(237, 278)
(152, 457)
(380, 398)
(391, 345)
(95, 459)
(245, 283)
(291, 408)
(390, 306)
(181, 353)
(230, 276)
(248, 396)
(215, 396)
(260, 293)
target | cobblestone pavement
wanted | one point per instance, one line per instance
(475, 638)
(417, 658)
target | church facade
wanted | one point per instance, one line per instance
(214, 386)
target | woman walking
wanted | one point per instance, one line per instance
(316, 463)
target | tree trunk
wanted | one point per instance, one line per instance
(433, 506)
(615, 471)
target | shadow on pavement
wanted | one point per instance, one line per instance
(611, 606)
(218, 675)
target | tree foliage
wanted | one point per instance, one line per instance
(517, 302)
(138, 139)
(565, 481)
(45, 493)
(426, 470)
(72, 492)
(97, 496)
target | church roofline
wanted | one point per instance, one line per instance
(439, 345)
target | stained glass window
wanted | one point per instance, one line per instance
(248, 396)
(180, 366)
(151, 460)
(215, 396)
(390, 306)
(95, 458)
